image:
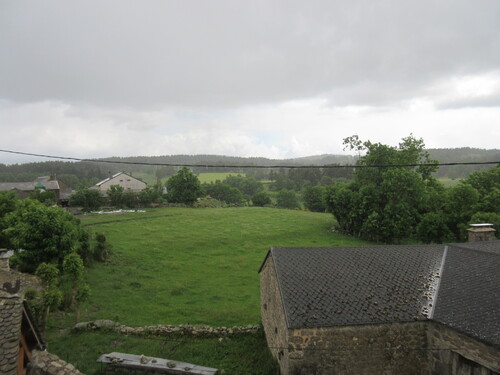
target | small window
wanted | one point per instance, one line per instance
(265, 306)
(275, 329)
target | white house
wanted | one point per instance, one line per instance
(124, 180)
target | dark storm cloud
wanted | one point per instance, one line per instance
(229, 53)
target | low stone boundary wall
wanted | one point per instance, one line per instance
(165, 330)
(44, 363)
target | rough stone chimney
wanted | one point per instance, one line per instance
(4, 259)
(481, 232)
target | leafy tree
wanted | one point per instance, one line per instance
(183, 187)
(87, 199)
(73, 270)
(461, 203)
(261, 199)
(150, 195)
(48, 274)
(224, 192)
(45, 234)
(383, 203)
(485, 181)
(102, 249)
(314, 198)
(433, 228)
(115, 195)
(8, 201)
(51, 296)
(45, 196)
(130, 199)
(287, 199)
(247, 185)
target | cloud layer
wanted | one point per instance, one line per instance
(262, 78)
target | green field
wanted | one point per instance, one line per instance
(198, 266)
(449, 182)
(212, 177)
(186, 265)
(246, 354)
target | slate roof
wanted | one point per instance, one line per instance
(114, 176)
(28, 186)
(469, 293)
(456, 285)
(11, 310)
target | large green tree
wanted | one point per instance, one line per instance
(87, 199)
(383, 203)
(41, 234)
(183, 187)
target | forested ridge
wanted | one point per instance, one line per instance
(87, 173)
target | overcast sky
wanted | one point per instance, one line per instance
(265, 78)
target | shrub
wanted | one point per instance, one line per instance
(314, 199)
(434, 229)
(261, 199)
(287, 199)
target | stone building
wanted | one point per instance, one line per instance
(22, 347)
(44, 183)
(127, 182)
(412, 310)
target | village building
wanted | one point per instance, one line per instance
(413, 310)
(22, 347)
(44, 183)
(127, 182)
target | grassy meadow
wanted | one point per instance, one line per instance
(197, 266)
(186, 265)
(212, 177)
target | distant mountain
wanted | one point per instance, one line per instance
(73, 173)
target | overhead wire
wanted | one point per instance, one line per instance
(205, 165)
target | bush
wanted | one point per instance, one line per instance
(287, 199)
(434, 229)
(261, 199)
(183, 187)
(87, 199)
(102, 249)
(314, 198)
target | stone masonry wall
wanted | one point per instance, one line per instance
(44, 363)
(446, 362)
(388, 349)
(273, 316)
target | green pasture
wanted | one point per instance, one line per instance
(246, 354)
(212, 177)
(197, 266)
(449, 182)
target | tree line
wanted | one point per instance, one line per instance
(399, 203)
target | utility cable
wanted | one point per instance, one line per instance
(329, 166)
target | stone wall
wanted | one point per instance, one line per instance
(397, 348)
(273, 316)
(461, 349)
(165, 329)
(44, 363)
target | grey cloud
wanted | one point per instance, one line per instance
(227, 53)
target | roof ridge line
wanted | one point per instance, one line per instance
(436, 292)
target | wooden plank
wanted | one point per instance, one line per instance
(161, 365)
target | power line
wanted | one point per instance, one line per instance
(330, 166)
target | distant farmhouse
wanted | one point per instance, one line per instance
(412, 310)
(45, 183)
(122, 179)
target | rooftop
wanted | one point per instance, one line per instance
(456, 285)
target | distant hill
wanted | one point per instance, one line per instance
(76, 173)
